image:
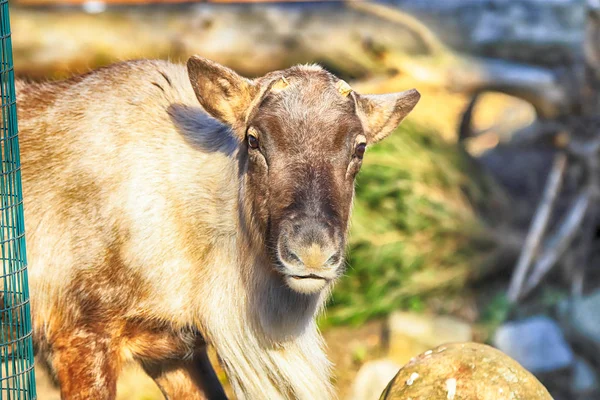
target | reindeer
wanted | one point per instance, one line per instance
(168, 209)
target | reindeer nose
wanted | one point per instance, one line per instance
(314, 256)
(310, 244)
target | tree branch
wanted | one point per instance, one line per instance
(538, 227)
(559, 242)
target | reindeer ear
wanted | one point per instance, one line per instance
(381, 114)
(223, 93)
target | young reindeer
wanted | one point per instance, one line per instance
(168, 209)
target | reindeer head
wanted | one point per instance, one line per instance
(302, 134)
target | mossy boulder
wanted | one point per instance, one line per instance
(464, 371)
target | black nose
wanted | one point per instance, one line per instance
(309, 243)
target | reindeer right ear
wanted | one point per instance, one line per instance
(382, 113)
(223, 93)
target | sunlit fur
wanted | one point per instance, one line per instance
(133, 217)
(144, 244)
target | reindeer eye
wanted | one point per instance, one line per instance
(252, 141)
(360, 150)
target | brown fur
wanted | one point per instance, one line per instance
(154, 229)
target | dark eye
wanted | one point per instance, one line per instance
(360, 150)
(252, 141)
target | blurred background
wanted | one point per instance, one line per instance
(476, 221)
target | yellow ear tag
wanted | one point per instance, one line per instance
(343, 88)
(281, 84)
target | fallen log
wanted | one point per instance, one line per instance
(251, 38)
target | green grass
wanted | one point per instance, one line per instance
(495, 312)
(415, 227)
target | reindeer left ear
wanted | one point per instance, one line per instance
(223, 93)
(381, 114)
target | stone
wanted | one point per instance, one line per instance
(372, 378)
(581, 321)
(537, 343)
(411, 333)
(585, 380)
(464, 371)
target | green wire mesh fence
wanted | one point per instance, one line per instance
(17, 379)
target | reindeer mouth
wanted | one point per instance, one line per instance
(310, 276)
(307, 284)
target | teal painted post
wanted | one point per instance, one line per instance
(17, 378)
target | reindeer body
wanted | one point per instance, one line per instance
(142, 246)
(132, 222)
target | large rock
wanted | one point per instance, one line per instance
(411, 334)
(464, 371)
(531, 31)
(537, 343)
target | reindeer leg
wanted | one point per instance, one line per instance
(190, 379)
(85, 364)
